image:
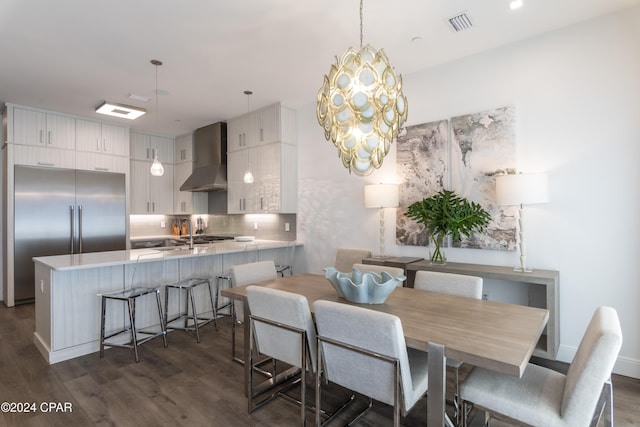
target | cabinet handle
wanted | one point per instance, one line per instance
(104, 144)
(41, 136)
(46, 164)
(148, 154)
(261, 203)
(261, 134)
(49, 137)
(153, 206)
(98, 144)
(101, 169)
(147, 206)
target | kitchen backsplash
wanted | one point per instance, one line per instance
(269, 226)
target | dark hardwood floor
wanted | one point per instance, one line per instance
(186, 384)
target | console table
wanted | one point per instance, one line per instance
(548, 345)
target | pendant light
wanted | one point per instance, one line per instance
(156, 167)
(248, 176)
(361, 107)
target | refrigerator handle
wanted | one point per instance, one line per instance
(79, 229)
(73, 226)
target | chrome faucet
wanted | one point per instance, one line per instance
(190, 231)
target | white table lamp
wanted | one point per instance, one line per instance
(381, 196)
(522, 189)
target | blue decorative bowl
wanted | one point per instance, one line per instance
(363, 288)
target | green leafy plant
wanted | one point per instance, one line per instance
(447, 214)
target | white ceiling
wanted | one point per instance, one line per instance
(69, 55)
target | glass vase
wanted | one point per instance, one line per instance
(436, 250)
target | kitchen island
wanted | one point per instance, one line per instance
(68, 288)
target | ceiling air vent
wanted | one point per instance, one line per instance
(460, 21)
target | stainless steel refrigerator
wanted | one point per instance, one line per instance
(63, 211)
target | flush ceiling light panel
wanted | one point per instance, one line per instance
(120, 110)
(460, 22)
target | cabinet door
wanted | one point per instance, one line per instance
(236, 167)
(139, 146)
(269, 178)
(61, 132)
(42, 156)
(161, 191)
(88, 135)
(184, 149)
(163, 146)
(101, 162)
(237, 130)
(29, 127)
(139, 187)
(115, 139)
(183, 200)
(269, 125)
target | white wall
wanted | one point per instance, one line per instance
(577, 98)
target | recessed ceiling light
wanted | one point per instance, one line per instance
(459, 22)
(515, 4)
(120, 110)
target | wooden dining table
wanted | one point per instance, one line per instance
(497, 336)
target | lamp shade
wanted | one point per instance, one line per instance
(381, 196)
(522, 189)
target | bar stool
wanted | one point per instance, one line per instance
(187, 287)
(223, 280)
(286, 263)
(129, 296)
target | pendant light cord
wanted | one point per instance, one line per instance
(361, 31)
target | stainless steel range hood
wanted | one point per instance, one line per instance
(210, 154)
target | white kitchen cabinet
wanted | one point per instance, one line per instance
(151, 194)
(41, 156)
(270, 153)
(144, 146)
(187, 202)
(105, 138)
(275, 123)
(102, 162)
(274, 190)
(184, 148)
(40, 128)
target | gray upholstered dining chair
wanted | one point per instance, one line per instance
(245, 274)
(452, 284)
(345, 258)
(368, 268)
(282, 328)
(365, 351)
(543, 397)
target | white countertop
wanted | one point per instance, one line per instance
(112, 258)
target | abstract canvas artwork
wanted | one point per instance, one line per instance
(463, 154)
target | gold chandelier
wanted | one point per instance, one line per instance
(361, 107)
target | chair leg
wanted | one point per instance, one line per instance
(163, 326)
(214, 308)
(102, 326)
(194, 312)
(131, 304)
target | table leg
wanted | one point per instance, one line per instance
(437, 368)
(246, 336)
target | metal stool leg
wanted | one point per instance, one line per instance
(102, 325)
(131, 304)
(214, 309)
(193, 311)
(163, 326)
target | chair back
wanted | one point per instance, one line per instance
(449, 283)
(345, 258)
(154, 272)
(371, 330)
(245, 274)
(286, 308)
(592, 364)
(372, 268)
